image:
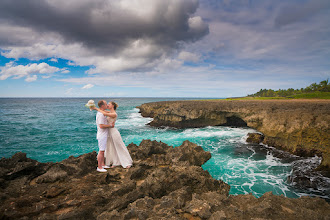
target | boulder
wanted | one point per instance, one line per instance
(255, 138)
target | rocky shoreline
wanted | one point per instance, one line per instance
(164, 183)
(301, 127)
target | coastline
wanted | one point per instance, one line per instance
(164, 183)
(298, 126)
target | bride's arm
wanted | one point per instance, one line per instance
(105, 113)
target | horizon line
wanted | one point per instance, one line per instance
(111, 97)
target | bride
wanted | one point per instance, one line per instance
(116, 153)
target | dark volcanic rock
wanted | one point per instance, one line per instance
(255, 138)
(164, 183)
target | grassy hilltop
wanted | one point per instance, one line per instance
(313, 91)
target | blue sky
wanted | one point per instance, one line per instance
(161, 48)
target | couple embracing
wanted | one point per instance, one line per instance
(112, 150)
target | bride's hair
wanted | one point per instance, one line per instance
(115, 105)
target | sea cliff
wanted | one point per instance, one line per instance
(164, 183)
(300, 127)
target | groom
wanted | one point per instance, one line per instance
(102, 135)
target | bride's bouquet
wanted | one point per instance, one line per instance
(90, 104)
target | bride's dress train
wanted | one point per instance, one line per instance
(116, 153)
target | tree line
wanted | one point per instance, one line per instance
(323, 86)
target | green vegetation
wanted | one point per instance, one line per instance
(315, 95)
(240, 98)
(321, 90)
(255, 98)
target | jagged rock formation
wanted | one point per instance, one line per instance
(301, 127)
(164, 183)
(255, 138)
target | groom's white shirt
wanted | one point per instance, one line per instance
(101, 132)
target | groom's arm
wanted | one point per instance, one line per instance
(106, 126)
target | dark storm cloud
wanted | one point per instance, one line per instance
(107, 26)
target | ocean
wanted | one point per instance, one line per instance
(52, 129)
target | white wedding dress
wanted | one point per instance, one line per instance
(116, 153)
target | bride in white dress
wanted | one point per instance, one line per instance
(116, 153)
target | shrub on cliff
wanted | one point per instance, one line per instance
(317, 89)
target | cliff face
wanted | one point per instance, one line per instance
(164, 183)
(298, 126)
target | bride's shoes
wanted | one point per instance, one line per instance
(101, 170)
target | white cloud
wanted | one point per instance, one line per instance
(31, 78)
(46, 76)
(88, 86)
(53, 60)
(196, 25)
(187, 56)
(36, 51)
(19, 71)
(65, 70)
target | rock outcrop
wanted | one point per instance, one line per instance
(255, 138)
(164, 183)
(301, 127)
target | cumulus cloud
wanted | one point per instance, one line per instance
(30, 78)
(197, 26)
(187, 56)
(64, 70)
(53, 60)
(35, 51)
(28, 71)
(112, 35)
(88, 86)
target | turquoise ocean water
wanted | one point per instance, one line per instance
(52, 129)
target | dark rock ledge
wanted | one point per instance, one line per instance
(164, 183)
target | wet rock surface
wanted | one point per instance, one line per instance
(255, 138)
(164, 183)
